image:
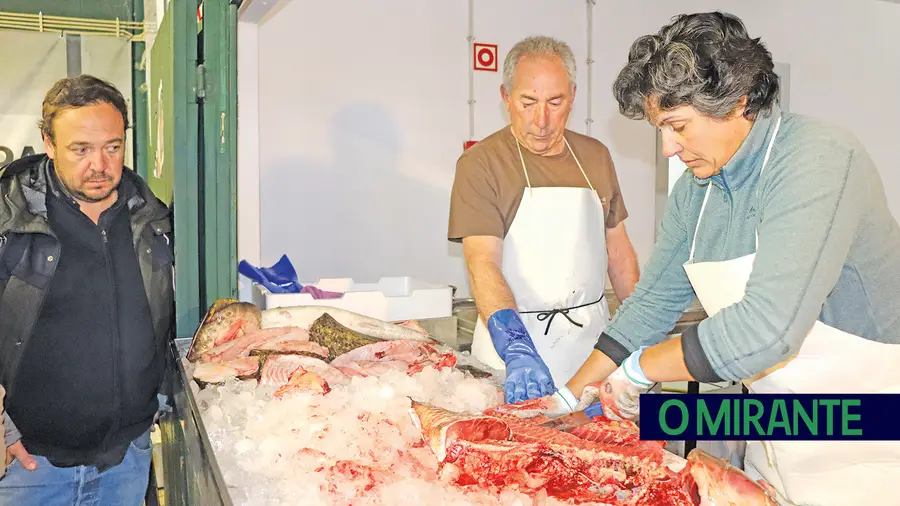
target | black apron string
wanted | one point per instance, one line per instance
(549, 315)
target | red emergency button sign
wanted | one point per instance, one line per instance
(485, 57)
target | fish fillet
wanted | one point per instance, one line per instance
(278, 369)
(303, 381)
(304, 316)
(330, 374)
(219, 372)
(718, 482)
(241, 346)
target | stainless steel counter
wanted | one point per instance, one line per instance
(191, 473)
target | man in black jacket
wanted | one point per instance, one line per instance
(86, 307)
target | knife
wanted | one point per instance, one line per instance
(577, 419)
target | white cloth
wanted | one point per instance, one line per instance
(820, 473)
(554, 257)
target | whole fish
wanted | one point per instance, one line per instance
(339, 339)
(305, 316)
(718, 483)
(225, 321)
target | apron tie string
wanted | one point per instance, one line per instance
(549, 315)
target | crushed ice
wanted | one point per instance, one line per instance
(356, 445)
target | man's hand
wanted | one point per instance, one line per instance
(17, 451)
(527, 376)
(619, 394)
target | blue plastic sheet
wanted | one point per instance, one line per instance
(279, 278)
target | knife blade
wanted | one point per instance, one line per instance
(568, 422)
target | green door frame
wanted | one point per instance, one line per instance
(218, 211)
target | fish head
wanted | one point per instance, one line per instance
(715, 482)
(226, 320)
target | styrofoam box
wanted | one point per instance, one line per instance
(391, 299)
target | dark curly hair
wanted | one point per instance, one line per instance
(704, 60)
(78, 91)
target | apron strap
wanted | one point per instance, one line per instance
(525, 171)
(521, 159)
(550, 314)
(583, 173)
(709, 187)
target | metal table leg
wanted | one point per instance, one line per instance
(693, 388)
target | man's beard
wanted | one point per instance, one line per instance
(83, 197)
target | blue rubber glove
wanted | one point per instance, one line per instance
(527, 376)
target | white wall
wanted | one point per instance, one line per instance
(37, 61)
(359, 123)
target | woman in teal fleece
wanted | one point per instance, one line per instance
(782, 229)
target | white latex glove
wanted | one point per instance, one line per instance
(620, 392)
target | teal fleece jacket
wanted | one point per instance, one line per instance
(829, 250)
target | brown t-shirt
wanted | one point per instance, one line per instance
(489, 182)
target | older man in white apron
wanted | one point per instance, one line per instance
(540, 215)
(555, 261)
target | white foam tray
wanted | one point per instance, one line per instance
(391, 299)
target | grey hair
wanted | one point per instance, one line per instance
(538, 45)
(704, 60)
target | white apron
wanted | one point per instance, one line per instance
(812, 473)
(555, 263)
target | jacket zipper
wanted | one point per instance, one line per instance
(114, 325)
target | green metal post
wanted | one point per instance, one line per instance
(186, 184)
(139, 108)
(219, 227)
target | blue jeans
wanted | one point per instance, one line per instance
(122, 485)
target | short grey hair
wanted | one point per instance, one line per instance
(538, 45)
(704, 60)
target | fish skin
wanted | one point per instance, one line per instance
(305, 316)
(721, 484)
(225, 321)
(339, 339)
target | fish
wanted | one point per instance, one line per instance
(492, 451)
(715, 482)
(242, 346)
(306, 316)
(226, 320)
(377, 358)
(303, 381)
(337, 338)
(299, 348)
(217, 373)
(278, 369)
(474, 371)
(330, 374)
(439, 425)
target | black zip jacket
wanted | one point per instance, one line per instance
(85, 313)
